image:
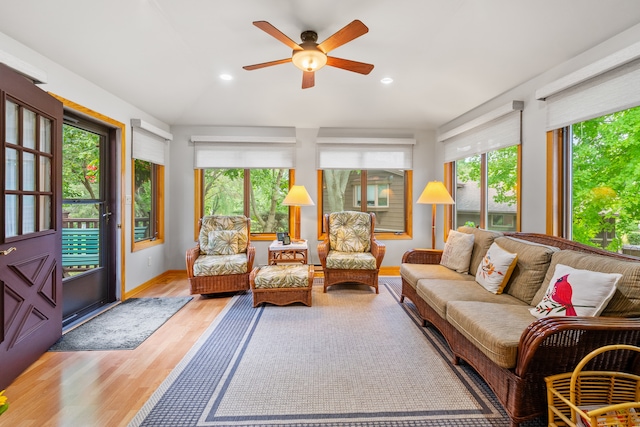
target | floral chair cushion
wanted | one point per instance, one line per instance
(350, 231)
(218, 265)
(351, 260)
(233, 242)
(282, 276)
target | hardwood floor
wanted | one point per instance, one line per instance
(107, 388)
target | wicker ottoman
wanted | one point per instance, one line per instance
(281, 284)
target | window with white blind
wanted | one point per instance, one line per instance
(148, 159)
(247, 176)
(593, 116)
(369, 175)
(485, 155)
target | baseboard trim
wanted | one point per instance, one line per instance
(170, 274)
(152, 282)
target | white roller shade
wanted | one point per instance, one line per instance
(245, 156)
(363, 156)
(615, 90)
(500, 132)
(147, 146)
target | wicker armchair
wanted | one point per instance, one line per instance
(350, 251)
(223, 258)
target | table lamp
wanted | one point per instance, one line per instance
(435, 193)
(297, 197)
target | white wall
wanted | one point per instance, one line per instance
(534, 126)
(75, 88)
(182, 210)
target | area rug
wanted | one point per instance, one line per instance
(352, 359)
(123, 327)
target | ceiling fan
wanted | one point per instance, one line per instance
(309, 56)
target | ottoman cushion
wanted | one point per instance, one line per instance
(282, 276)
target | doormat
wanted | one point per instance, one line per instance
(123, 327)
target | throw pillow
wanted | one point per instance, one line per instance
(223, 242)
(457, 251)
(496, 268)
(573, 292)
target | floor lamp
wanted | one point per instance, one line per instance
(297, 197)
(435, 193)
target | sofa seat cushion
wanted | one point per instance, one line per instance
(531, 267)
(495, 329)
(411, 273)
(218, 265)
(626, 299)
(351, 260)
(439, 293)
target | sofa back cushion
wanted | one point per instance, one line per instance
(626, 299)
(457, 251)
(350, 231)
(224, 235)
(481, 242)
(531, 267)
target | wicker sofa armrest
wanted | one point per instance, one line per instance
(192, 256)
(422, 256)
(557, 344)
(378, 250)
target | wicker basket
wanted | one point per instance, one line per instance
(594, 398)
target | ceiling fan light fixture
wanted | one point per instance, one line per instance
(309, 59)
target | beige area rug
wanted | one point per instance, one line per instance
(352, 359)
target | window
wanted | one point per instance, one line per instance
(255, 193)
(146, 200)
(377, 195)
(486, 190)
(386, 195)
(604, 176)
(148, 152)
(593, 144)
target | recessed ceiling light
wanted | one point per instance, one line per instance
(386, 81)
(226, 76)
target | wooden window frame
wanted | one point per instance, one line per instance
(157, 217)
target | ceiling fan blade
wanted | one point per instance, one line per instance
(308, 79)
(349, 32)
(346, 64)
(276, 33)
(266, 64)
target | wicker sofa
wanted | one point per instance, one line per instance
(498, 335)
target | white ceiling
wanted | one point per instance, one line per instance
(445, 56)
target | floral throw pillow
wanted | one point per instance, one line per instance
(573, 292)
(457, 251)
(496, 268)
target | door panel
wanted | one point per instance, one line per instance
(30, 240)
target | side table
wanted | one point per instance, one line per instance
(296, 252)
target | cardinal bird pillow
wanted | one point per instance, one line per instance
(574, 292)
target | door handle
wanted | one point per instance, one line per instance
(8, 251)
(107, 215)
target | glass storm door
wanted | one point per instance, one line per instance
(87, 261)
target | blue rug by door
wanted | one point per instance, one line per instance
(352, 359)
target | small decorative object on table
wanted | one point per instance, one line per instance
(594, 398)
(4, 403)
